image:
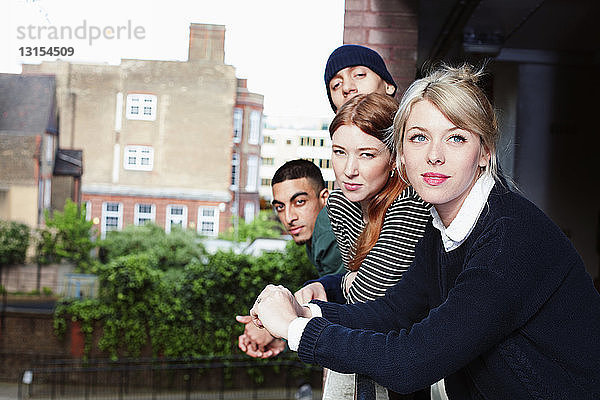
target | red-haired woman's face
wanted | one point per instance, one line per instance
(361, 163)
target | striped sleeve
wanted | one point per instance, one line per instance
(403, 227)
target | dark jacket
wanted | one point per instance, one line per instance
(509, 314)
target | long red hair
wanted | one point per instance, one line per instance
(374, 115)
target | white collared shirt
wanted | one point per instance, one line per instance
(459, 229)
(452, 237)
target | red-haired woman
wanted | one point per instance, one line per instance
(376, 217)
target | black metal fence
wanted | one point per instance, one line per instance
(236, 377)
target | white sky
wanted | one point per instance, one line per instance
(280, 46)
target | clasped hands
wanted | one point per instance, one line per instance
(274, 309)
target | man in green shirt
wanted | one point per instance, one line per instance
(299, 198)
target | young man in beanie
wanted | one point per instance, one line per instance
(352, 69)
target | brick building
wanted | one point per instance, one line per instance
(158, 137)
(35, 175)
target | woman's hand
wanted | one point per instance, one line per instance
(275, 308)
(310, 292)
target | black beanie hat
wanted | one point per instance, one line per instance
(351, 55)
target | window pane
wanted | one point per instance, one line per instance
(112, 207)
(176, 210)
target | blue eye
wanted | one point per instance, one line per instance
(457, 139)
(418, 138)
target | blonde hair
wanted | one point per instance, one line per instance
(455, 92)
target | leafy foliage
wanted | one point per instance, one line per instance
(14, 241)
(184, 311)
(67, 236)
(173, 250)
(265, 225)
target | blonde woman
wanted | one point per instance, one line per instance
(497, 301)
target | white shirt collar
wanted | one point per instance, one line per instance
(464, 222)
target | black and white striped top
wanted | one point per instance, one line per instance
(403, 226)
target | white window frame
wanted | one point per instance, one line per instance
(49, 148)
(141, 107)
(171, 218)
(254, 135)
(214, 219)
(47, 193)
(138, 154)
(111, 214)
(238, 124)
(252, 173)
(137, 215)
(88, 210)
(249, 212)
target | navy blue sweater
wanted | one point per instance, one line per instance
(510, 314)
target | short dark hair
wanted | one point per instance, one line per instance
(298, 169)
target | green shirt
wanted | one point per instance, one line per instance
(322, 250)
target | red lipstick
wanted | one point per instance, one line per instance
(434, 179)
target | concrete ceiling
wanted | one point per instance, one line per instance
(505, 29)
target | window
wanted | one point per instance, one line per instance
(208, 221)
(288, 141)
(321, 142)
(252, 179)
(112, 217)
(235, 170)
(324, 163)
(88, 210)
(265, 182)
(141, 107)
(144, 213)
(249, 209)
(268, 139)
(176, 216)
(140, 158)
(47, 193)
(254, 127)
(238, 123)
(49, 148)
(267, 161)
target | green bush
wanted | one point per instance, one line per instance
(14, 241)
(172, 250)
(265, 225)
(182, 312)
(67, 236)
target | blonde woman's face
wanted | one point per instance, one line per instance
(442, 161)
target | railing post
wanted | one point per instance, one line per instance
(188, 384)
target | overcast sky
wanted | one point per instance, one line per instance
(280, 46)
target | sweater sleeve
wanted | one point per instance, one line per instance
(490, 298)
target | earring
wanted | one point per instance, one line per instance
(392, 172)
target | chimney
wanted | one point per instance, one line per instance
(207, 42)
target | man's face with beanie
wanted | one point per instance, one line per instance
(350, 81)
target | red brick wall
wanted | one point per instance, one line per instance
(26, 339)
(390, 28)
(161, 207)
